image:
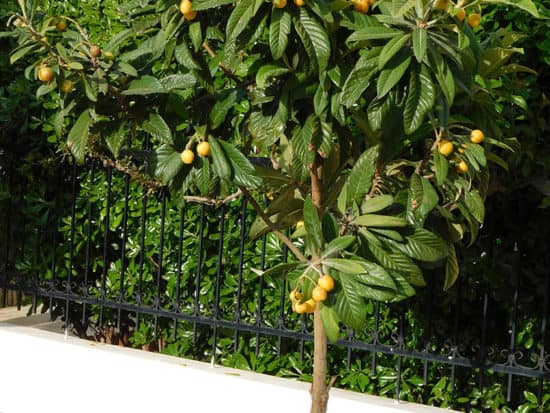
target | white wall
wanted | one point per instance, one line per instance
(42, 372)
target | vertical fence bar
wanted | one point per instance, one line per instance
(123, 249)
(259, 312)
(242, 238)
(543, 329)
(219, 272)
(85, 287)
(282, 302)
(513, 327)
(19, 292)
(106, 223)
(400, 342)
(177, 303)
(375, 336)
(68, 287)
(454, 343)
(198, 273)
(428, 334)
(143, 220)
(161, 257)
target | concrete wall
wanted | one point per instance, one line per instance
(42, 371)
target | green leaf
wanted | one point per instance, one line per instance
(178, 81)
(373, 33)
(240, 17)
(443, 75)
(451, 268)
(378, 203)
(420, 99)
(243, 172)
(375, 220)
(423, 196)
(209, 4)
(116, 137)
(127, 68)
(220, 163)
(475, 205)
(279, 31)
(422, 245)
(337, 245)
(168, 163)
(21, 52)
(526, 5)
(391, 48)
(391, 75)
(420, 43)
(91, 93)
(225, 100)
(345, 265)
(314, 38)
(359, 79)
(147, 85)
(388, 233)
(78, 136)
(441, 166)
(375, 276)
(313, 225)
(158, 129)
(283, 268)
(268, 71)
(330, 320)
(349, 306)
(359, 181)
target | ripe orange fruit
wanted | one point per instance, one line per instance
(474, 19)
(477, 136)
(462, 167)
(66, 86)
(301, 308)
(203, 148)
(279, 4)
(95, 51)
(295, 296)
(442, 5)
(45, 74)
(445, 147)
(319, 294)
(299, 3)
(61, 25)
(310, 305)
(187, 156)
(460, 14)
(191, 15)
(185, 7)
(326, 282)
(362, 6)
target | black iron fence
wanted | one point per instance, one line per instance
(120, 265)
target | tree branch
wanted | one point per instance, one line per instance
(272, 226)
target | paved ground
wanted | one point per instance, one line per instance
(40, 321)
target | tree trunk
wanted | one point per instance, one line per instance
(319, 389)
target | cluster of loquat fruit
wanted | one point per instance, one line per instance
(446, 148)
(325, 284)
(473, 19)
(188, 156)
(186, 8)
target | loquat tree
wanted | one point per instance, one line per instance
(377, 120)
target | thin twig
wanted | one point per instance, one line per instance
(222, 66)
(272, 226)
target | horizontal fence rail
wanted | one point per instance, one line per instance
(118, 264)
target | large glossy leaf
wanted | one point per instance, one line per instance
(422, 245)
(376, 204)
(375, 220)
(220, 163)
(225, 100)
(359, 78)
(314, 38)
(313, 225)
(240, 17)
(420, 43)
(158, 129)
(349, 304)
(78, 136)
(441, 167)
(337, 245)
(345, 265)
(424, 198)
(526, 5)
(330, 320)
(243, 173)
(209, 4)
(420, 99)
(146, 85)
(475, 205)
(279, 30)
(374, 33)
(451, 268)
(168, 163)
(391, 75)
(116, 137)
(443, 75)
(391, 48)
(359, 181)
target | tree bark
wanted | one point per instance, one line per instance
(319, 389)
